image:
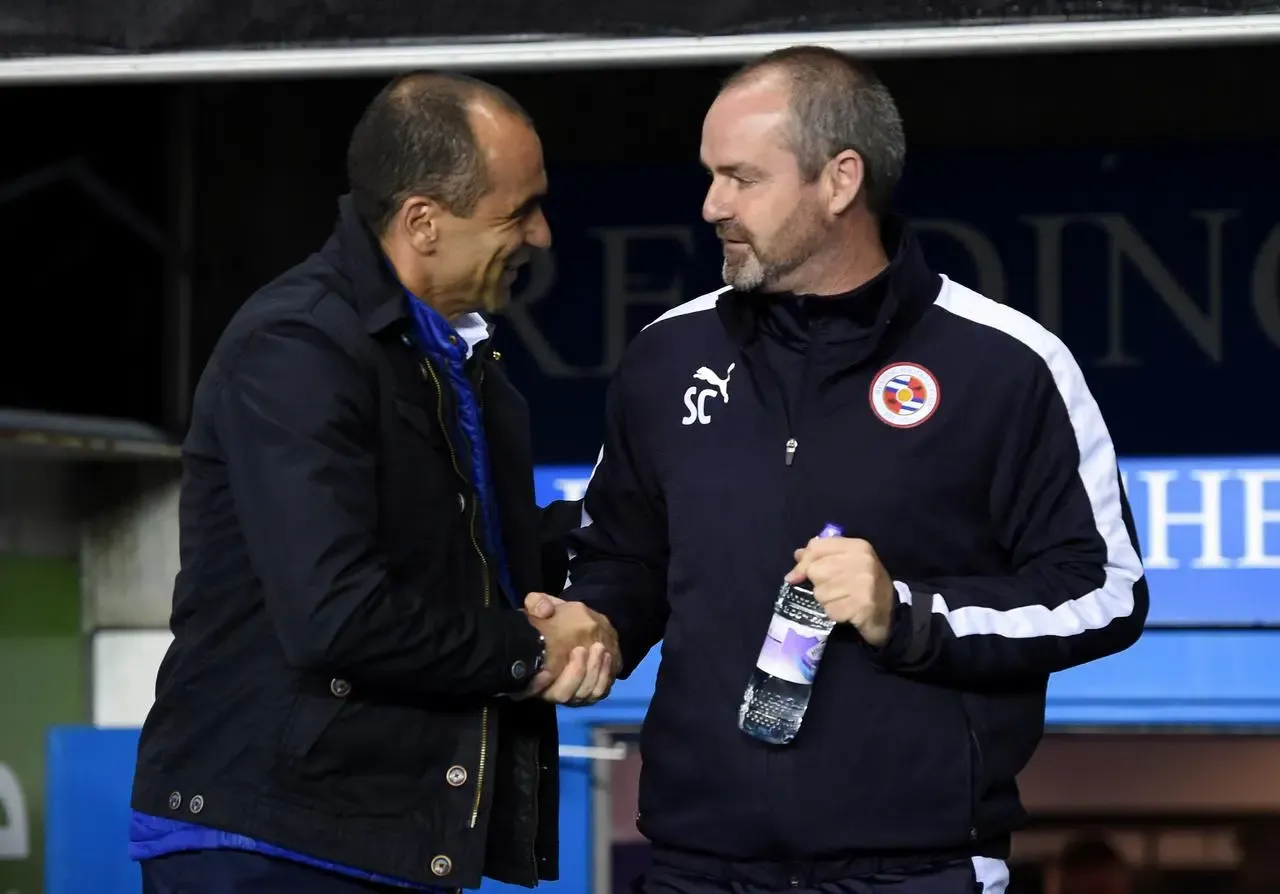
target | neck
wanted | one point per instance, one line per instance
(417, 282)
(853, 259)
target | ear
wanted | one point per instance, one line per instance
(419, 223)
(845, 174)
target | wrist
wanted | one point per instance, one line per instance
(896, 633)
(525, 653)
(540, 661)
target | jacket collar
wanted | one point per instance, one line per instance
(378, 296)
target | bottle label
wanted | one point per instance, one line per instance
(792, 650)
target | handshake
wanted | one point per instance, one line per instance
(582, 656)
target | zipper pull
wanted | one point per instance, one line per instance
(792, 444)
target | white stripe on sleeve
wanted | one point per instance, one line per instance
(1098, 474)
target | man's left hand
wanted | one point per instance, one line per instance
(850, 584)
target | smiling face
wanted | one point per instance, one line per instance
(770, 220)
(462, 262)
(480, 254)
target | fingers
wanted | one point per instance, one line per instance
(804, 558)
(585, 680)
(821, 548)
(596, 663)
(800, 573)
(605, 682)
(564, 688)
(540, 605)
(822, 571)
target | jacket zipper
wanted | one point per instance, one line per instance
(533, 843)
(975, 785)
(430, 372)
(775, 379)
(761, 362)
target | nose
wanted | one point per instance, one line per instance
(538, 231)
(715, 206)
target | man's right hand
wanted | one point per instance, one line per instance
(582, 656)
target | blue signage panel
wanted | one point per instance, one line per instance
(1166, 286)
(1170, 678)
(1209, 530)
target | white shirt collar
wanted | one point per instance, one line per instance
(474, 329)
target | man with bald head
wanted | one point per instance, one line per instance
(354, 699)
(836, 382)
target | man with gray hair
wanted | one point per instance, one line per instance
(982, 540)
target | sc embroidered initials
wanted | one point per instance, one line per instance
(695, 399)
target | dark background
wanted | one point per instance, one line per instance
(86, 328)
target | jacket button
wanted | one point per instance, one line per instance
(196, 804)
(456, 775)
(441, 865)
(175, 800)
(462, 503)
(496, 355)
(518, 670)
(339, 688)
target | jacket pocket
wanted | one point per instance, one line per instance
(355, 757)
(977, 765)
(310, 717)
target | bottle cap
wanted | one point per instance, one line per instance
(832, 530)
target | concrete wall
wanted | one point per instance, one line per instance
(118, 525)
(128, 560)
(129, 552)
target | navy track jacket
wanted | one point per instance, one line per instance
(954, 434)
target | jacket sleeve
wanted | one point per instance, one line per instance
(298, 422)
(1075, 591)
(556, 521)
(619, 554)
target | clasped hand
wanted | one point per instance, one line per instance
(582, 656)
(850, 583)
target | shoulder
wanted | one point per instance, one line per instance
(684, 328)
(1005, 335)
(691, 331)
(298, 313)
(685, 312)
(1005, 345)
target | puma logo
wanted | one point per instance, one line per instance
(706, 374)
(695, 399)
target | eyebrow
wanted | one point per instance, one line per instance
(739, 168)
(529, 204)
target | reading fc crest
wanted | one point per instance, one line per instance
(904, 395)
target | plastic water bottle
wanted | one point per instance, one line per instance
(776, 698)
